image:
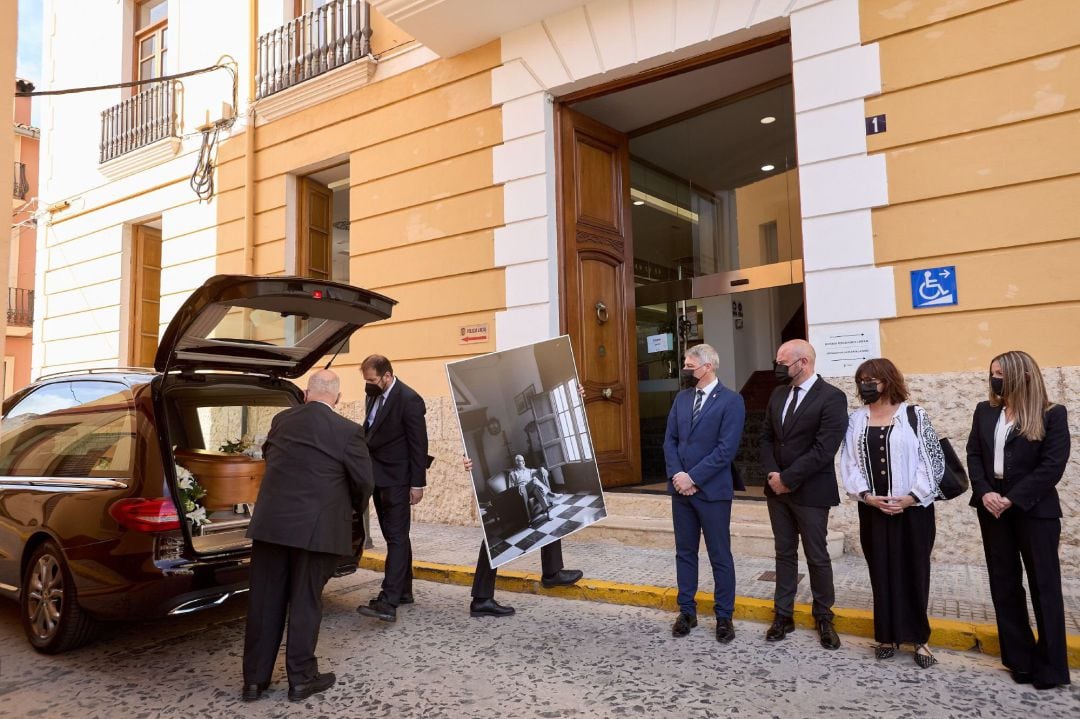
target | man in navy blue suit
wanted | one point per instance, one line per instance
(703, 432)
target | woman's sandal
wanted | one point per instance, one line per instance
(884, 651)
(923, 657)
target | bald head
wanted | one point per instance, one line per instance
(323, 386)
(792, 352)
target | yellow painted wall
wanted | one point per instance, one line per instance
(423, 205)
(983, 159)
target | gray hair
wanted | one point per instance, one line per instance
(324, 383)
(704, 354)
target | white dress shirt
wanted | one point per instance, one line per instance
(1001, 433)
(803, 389)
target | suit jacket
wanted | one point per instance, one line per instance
(317, 472)
(804, 454)
(398, 439)
(1032, 469)
(706, 449)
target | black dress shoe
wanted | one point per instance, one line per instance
(344, 570)
(1045, 685)
(254, 691)
(489, 608)
(829, 638)
(379, 609)
(683, 624)
(725, 630)
(406, 599)
(322, 682)
(780, 628)
(562, 578)
(1020, 677)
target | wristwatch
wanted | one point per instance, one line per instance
(862, 495)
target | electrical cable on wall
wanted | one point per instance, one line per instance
(202, 178)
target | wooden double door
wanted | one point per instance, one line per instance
(597, 286)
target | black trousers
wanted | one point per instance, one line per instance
(483, 586)
(395, 520)
(897, 551)
(284, 580)
(1013, 543)
(790, 523)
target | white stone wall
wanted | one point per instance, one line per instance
(950, 400)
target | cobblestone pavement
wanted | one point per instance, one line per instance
(957, 591)
(556, 658)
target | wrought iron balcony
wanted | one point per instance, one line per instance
(20, 307)
(333, 35)
(138, 121)
(21, 186)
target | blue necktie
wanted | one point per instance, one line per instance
(698, 399)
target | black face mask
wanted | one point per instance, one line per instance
(997, 386)
(689, 381)
(868, 392)
(781, 371)
(372, 390)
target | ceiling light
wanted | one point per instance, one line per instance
(768, 120)
(639, 202)
(768, 168)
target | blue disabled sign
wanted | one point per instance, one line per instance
(935, 287)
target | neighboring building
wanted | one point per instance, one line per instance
(639, 174)
(23, 248)
(9, 21)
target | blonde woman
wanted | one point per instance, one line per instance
(891, 462)
(1017, 452)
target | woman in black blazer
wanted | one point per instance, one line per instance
(1017, 452)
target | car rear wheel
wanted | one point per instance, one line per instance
(51, 616)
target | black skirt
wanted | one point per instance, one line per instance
(897, 550)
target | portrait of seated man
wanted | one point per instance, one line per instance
(533, 483)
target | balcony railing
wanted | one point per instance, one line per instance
(20, 307)
(333, 35)
(138, 121)
(21, 186)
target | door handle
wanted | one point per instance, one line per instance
(606, 393)
(601, 313)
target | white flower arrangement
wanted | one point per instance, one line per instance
(190, 494)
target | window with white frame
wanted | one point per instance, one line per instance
(571, 412)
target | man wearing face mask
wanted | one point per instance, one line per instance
(702, 437)
(804, 425)
(398, 441)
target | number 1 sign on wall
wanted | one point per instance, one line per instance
(875, 124)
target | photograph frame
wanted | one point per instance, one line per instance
(537, 481)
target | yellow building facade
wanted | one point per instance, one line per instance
(571, 167)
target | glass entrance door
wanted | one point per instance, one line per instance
(745, 328)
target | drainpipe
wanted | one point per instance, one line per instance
(249, 142)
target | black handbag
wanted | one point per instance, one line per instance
(955, 480)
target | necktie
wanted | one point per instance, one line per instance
(791, 407)
(374, 411)
(698, 399)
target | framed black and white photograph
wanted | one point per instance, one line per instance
(535, 477)
(521, 400)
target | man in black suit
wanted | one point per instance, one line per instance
(804, 426)
(317, 472)
(398, 441)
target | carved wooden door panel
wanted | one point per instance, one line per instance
(597, 287)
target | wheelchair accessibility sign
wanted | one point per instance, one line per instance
(935, 287)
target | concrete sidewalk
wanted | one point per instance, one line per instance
(960, 607)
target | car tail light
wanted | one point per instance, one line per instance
(146, 515)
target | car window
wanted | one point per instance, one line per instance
(70, 429)
(237, 428)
